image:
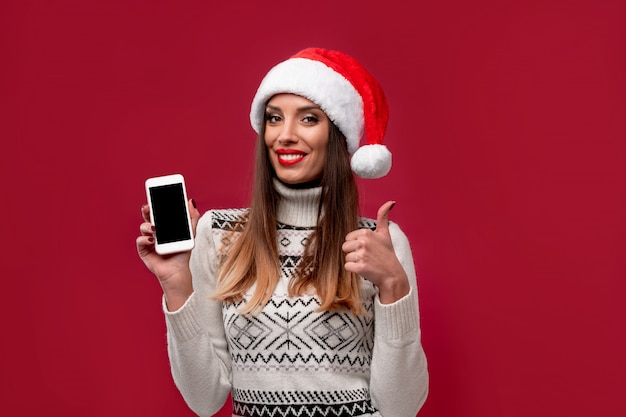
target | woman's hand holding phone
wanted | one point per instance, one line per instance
(172, 270)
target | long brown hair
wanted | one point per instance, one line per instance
(253, 257)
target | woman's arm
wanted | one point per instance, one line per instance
(399, 373)
(195, 333)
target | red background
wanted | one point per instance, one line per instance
(508, 132)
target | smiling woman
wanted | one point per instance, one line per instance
(291, 306)
(296, 135)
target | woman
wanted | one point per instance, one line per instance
(297, 306)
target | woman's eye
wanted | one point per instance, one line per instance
(310, 119)
(272, 118)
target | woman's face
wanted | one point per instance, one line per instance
(296, 136)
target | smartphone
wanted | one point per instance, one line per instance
(169, 213)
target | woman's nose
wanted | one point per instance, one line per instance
(287, 134)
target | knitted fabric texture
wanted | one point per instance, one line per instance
(291, 360)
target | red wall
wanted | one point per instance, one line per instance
(508, 132)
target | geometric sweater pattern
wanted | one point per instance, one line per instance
(289, 335)
(289, 359)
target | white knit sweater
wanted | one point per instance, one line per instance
(290, 360)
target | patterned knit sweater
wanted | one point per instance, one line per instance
(291, 360)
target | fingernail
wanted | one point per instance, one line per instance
(153, 228)
(150, 239)
(392, 206)
(193, 203)
(143, 207)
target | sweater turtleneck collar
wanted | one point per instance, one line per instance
(298, 206)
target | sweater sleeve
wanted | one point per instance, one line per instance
(399, 373)
(196, 340)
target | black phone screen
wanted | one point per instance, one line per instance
(170, 213)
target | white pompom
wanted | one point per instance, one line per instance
(371, 161)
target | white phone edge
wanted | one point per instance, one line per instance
(181, 245)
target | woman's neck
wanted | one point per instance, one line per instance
(298, 206)
(302, 185)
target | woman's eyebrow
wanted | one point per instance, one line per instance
(303, 108)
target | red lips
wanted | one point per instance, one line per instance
(288, 157)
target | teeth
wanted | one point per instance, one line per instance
(290, 157)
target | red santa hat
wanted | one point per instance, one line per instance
(349, 95)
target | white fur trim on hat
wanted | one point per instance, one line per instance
(315, 81)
